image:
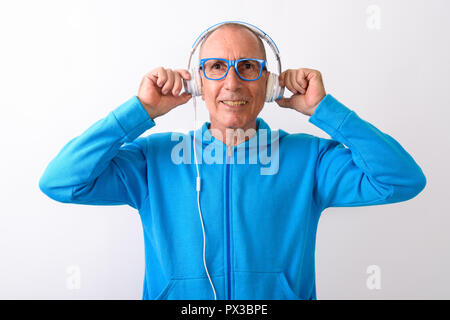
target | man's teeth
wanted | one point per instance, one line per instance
(234, 103)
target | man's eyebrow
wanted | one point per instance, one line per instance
(251, 57)
(247, 57)
(240, 58)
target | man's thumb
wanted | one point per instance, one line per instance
(183, 98)
(284, 102)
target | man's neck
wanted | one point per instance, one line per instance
(232, 136)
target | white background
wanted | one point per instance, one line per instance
(66, 64)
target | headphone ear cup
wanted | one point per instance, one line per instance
(273, 90)
(193, 86)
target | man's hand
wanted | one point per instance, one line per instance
(160, 89)
(307, 88)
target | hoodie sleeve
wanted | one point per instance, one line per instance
(361, 166)
(106, 164)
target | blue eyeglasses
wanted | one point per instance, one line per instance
(246, 69)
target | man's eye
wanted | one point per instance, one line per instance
(216, 66)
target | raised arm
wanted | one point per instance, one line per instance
(106, 165)
(361, 165)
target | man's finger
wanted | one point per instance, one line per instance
(301, 77)
(161, 74)
(184, 74)
(169, 83)
(295, 82)
(177, 84)
(289, 83)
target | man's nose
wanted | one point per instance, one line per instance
(232, 80)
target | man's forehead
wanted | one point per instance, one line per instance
(233, 40)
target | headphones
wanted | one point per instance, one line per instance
(273, 89)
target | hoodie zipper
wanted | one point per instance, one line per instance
(228, 228)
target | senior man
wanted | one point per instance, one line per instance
(260, 228)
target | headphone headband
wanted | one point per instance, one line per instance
(255, 29)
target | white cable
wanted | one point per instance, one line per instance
(198, 198)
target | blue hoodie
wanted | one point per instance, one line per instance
(260, 217)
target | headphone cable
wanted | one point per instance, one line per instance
(198, 187)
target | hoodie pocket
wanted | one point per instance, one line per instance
(191, 289)
(262, 286)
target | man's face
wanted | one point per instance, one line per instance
(233, 43)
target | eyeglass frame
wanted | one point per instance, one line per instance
(233, 63)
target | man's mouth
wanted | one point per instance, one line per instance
(234, 103)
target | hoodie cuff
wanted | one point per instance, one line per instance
(133, 119)
(330, 114)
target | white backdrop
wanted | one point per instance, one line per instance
(66, 64)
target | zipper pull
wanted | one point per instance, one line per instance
(229, 151)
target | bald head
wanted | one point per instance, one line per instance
(239, 33)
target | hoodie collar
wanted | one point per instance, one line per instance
(204, 134)
(250, 151)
